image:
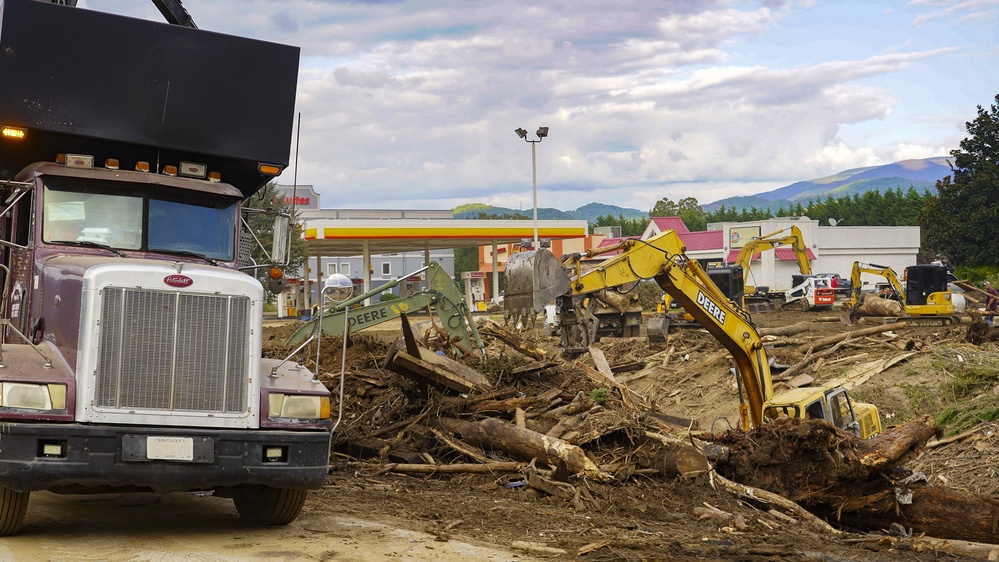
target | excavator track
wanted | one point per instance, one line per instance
(916, 321)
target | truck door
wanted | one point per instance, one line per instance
(842, 410)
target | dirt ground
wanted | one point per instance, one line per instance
(914, 371)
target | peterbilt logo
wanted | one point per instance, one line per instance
(178, 280)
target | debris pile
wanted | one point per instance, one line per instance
(631, 410)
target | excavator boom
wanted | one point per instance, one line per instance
(772, 240)
(440, 295)
(663, 258)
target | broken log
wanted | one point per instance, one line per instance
(492, 433)
(832, 340)
(784, 330)
(454, 468)
(863, 483)
(894, 448)
(874, 305)
(807, 360)
(938, 512)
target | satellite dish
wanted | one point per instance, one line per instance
(833, 222)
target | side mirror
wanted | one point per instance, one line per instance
(279, 248)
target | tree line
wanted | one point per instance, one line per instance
(873, 208)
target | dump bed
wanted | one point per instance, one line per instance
(89, 82)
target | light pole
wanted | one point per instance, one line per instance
(542, 133)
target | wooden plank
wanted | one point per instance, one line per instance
(600, 361)
(414, 367)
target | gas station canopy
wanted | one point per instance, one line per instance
(353, 237)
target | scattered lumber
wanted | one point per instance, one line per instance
(454, 468)
(809, 358)
(513, 340)
(832, 340)
(513, 404)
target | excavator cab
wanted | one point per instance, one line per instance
(832, 404)
(730, 280)
(922, 281)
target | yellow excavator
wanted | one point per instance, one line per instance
(770, 241)
(663, 258)
(730, 279)
(924, 296)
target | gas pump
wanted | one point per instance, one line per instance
(289, 301)
(475, 289)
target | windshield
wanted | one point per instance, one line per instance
(135, 217)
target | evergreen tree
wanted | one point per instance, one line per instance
(961, 221)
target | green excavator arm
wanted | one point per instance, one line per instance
(441, 296)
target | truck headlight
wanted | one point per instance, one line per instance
(298, 406)
(33, 396)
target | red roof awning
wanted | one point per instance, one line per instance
(787, 254)
(782, 254)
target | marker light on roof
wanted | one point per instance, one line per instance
(141, 166)
(268, 169)
(170, 170)
(193, 170)
(111, 163)
(15, 133)
(80, 161)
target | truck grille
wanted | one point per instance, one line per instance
(164, 350)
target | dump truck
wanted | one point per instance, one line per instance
(131, 350)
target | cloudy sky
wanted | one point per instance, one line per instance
(413, 105)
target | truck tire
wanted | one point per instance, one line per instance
(12, 507)
(265, 505)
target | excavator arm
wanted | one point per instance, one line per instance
(873, 269)
(663, 259)
(772, 240)
(441, 295)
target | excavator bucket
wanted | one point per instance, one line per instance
(657, 328)
(533, 279)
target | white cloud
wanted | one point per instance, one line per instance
(415, 104)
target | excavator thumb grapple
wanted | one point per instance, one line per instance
(533, 279)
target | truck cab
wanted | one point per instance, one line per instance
(131, 348)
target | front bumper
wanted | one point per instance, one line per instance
(98, 456)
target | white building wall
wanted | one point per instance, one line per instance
(835, 248)
(892, 246)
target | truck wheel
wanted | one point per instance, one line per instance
(264, 505)
(12, 507)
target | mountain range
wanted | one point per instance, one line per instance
(921, 174)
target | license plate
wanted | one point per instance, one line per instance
(170, 448)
